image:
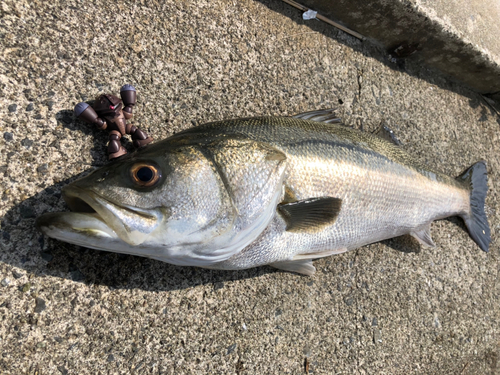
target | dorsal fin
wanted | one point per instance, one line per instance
(323, 115)
(386, 133)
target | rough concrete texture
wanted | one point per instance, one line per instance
(383, 309)
(459, 37)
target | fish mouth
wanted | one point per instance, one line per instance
(95, 218)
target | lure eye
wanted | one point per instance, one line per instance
(145, 175)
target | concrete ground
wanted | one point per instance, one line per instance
(387, 308)
(457, 37)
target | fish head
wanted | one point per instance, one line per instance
(186, 205)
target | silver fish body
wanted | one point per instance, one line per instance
(275, 190)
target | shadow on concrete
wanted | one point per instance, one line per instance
(370, 48)
(405, 244)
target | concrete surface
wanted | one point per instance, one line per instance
(383, 309)
(457, 37)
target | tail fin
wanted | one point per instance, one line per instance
(477, 223)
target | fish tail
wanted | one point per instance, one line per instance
(476, 179)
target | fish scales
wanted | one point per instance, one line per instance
(385, 192)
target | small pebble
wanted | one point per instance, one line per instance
(30, 107)
(231, 349)
(25, 287)
(46, 256)
(17, 274)
(377, 336)
(8, 136)
(27, 212)
(5, 282)
(348, 300)
(26, 142)
(12, 108)
(40, 305)
(43, 169)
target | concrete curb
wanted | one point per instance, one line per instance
(458, 39)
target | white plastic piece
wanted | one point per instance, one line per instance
(309, 15)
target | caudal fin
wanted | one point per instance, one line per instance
(477, 222)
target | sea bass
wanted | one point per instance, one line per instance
(278, 191)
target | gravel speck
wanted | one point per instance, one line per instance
(26, 287)
(231, 348)
(6, 235)
(377, 336)
(218, 285)
(40, 305)
(348, 300)
(12, 108)
(30, 107)
(5, 282)
(8, 136)
(26, 142)
(46, 256)
(77, 276)
(27, 212)
(43, 169)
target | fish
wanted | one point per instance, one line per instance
(278, 191)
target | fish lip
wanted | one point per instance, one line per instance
(67, 224)
(83, 201)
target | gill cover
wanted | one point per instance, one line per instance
(250, 176)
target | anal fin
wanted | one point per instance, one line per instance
(302, 263)
(303, 266)
(319, 254)
(423, 235)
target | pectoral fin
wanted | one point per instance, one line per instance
(310, 214)
(304, 266)
(423, 235)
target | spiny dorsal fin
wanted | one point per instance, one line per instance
(323, 115)
(310, 214)
(423, 235)
(386, 133)
(304, 266)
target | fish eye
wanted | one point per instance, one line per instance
(144, 174)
